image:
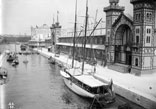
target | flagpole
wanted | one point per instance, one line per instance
(84, 47)
(57, 16)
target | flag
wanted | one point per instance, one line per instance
(57, 16)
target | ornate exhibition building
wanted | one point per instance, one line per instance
(125, 44)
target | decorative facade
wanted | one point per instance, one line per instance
(55, 34)
(131, 42)
(144, 50)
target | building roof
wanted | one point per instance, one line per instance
(97, 32)
(44, 26)
(129, 16)
(101, 47)
(122, 16)
(90, 80)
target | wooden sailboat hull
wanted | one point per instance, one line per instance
(10, 58)
(75, 88)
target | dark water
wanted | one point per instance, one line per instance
(38, 85)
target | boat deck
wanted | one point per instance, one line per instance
(86, 78)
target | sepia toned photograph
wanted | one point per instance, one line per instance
(77, 54)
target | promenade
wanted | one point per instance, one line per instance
(138, 89)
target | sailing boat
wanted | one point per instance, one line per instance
(3, 75)
(15, 60)
(12, 55)
(83, 83)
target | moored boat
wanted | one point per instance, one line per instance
(11, 57)
(87, 86)
(23, 47)
(3, 75)
(51, 60)
(15, 62)
(82, 81)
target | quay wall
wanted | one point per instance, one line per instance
(146, 101)
(135, 96)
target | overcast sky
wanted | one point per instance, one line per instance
(19, 15)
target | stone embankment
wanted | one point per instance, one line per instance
(140, 90)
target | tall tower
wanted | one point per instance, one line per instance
(112, 13)
(55, 34)
(144, 47)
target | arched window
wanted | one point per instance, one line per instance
(150, 16)
(148, 39)
(147, 15)
(137, 39)
(136, 61)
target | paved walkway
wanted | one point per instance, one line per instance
(139, 89)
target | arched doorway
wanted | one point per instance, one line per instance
(123, 45)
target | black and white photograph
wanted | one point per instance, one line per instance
(77, 54)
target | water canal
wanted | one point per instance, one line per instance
(38, 85)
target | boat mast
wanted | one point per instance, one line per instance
(84, 48)
(15, 44)
(74, 34)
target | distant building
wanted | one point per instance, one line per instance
(40, 32)
(40, 35)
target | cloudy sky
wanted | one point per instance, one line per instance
(19, 15)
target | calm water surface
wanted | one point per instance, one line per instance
(38, 85)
